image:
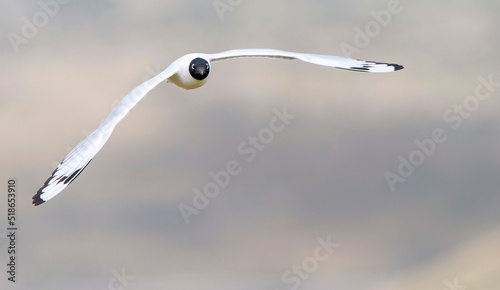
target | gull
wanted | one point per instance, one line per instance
(190, 71)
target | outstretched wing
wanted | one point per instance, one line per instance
(325, 60)
(76, 161)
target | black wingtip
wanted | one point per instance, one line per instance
(37, 200)
(396, 66)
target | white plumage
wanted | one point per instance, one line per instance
(189, 72)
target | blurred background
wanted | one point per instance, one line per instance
(347, 168)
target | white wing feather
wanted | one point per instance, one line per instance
(76, 161)
(325, 60)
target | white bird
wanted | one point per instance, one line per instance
(189, 72)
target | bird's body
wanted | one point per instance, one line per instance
(190, 71)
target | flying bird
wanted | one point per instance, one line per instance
(190, 71)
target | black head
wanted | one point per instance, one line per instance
(199, 68)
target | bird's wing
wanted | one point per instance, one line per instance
(76, 161)
(325, 60)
